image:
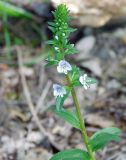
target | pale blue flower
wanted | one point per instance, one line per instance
(64, 67)
(84, 81)
(58, 91)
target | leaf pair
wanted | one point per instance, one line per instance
(103, 137)
(73, 154)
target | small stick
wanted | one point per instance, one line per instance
(30, 103)
(43, 96)
(27, 93)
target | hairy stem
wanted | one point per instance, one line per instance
(82, 123)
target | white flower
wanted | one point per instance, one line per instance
(83, 80)
(64, 67)
(58, 90)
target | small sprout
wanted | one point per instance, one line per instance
(83, 81)
(58, 91)
(64, 67)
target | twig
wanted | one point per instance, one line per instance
(43, 96)
(30, 103)
(50, 103)
(27, 93)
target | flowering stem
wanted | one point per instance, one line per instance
(82, 123)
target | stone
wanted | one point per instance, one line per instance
(94, 13)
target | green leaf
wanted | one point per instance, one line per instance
(111, 130)
(72, 30)
(75, 74)
(71, 51)
(51, 28)
(11, 10)
(60, 100)
(50, 42)
(59, 103)
(51, 24)
(103, 137)
(68, 116)
(72, 154)
(91, 80)
(74, 159)
(51, 62)
(76, 83)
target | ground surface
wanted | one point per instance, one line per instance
(28, 128)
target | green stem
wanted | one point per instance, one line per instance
(82, 123)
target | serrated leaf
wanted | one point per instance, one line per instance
(103, 137)
(71, 154)
(12, 10)
(68, 116)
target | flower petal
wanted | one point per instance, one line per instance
(59, 69)
(58, 90)
(81, 79)
(85, 77)
(85, 86)
(64, 67)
